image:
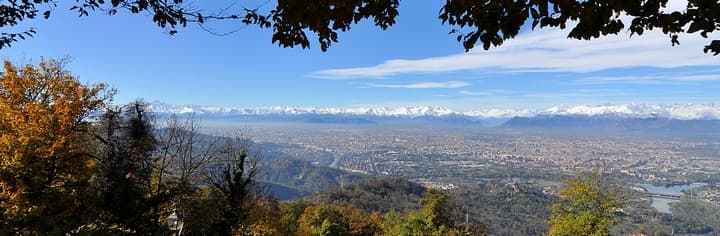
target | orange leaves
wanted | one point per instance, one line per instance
(44, 114)
(46, 105)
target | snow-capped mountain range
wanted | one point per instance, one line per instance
(678, 112)
(410, 111)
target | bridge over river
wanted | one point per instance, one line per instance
(665, 196)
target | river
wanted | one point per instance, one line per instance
(336, 160)
(662, 204)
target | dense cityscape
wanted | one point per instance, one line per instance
(459, 156)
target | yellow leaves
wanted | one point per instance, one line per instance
(43, 138)
(586, 207)
(46, 104)
(91, 164)
(338, 220)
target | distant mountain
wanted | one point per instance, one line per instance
(614, 124)
(358, 116)
(629, 116)
(676, 112)
(686, 121)
(411, 111)
(331, 119)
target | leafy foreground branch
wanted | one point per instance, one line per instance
(489, 23)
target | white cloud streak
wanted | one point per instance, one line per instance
(706, 76)
(549, 50)
(423, 85)
(476, 93)
(485, 92)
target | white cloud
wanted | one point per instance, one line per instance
(704, 76)
(698, 77)
(475, 93)
(485, 92)
(549, 50)
(423, 85)
(571, 95)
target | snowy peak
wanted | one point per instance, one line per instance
(411, 111)
(501, 113)
(626, 110)
(679, 112)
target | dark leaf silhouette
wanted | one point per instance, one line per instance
(491, 22)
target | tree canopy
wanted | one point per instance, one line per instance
(45, 164)
(489, 23)
(587, 207)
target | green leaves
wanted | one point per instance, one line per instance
(586, 207)
(432, 219)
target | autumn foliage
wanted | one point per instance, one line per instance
(44, 164)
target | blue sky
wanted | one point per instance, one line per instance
(414, 62)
